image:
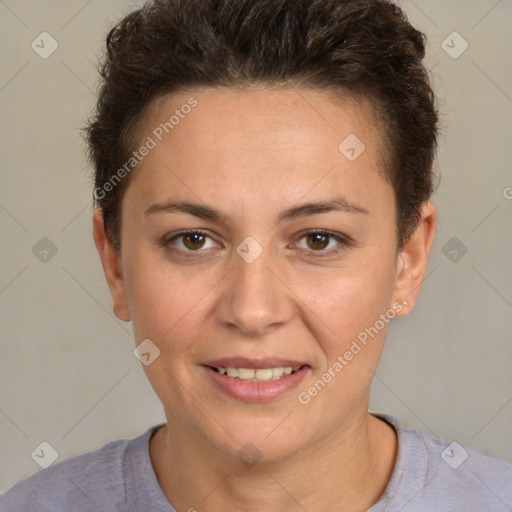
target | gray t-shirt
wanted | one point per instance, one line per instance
(429, 475)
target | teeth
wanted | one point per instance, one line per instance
(259, 374)
(263, 374)
(248, 373)
(232, 372)
(277, 372)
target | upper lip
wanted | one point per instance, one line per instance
(245, 362)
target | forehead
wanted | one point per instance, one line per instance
(245, 142)
(255, 116)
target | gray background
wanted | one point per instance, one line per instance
(68, 375)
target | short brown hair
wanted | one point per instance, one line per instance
(365, 47)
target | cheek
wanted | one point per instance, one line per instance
(348, 300)
(171, 301)
(350, 335)
(165, 300)
(167, 308)
(168, 300)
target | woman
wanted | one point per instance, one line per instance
(263, 175)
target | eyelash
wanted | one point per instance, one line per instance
(343, 243)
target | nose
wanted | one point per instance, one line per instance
(255, 299)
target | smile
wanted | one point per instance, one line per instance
(256, 380)
(257, 374)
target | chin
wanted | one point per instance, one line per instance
(264, 441)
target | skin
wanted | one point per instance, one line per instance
(252, 154)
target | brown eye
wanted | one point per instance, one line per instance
(193, 241)
(317, 241)
(324, 243)
(189, 241)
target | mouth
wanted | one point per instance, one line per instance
(257, 374)
(256, 380)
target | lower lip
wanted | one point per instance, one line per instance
(257, 392)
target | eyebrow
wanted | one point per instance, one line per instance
(339, 204)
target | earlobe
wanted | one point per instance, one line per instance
(111, 267)
(412, 260)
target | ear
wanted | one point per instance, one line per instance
(412, 260)
(110, 260)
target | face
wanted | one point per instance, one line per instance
(251, 239)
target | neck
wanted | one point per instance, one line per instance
(347, 471)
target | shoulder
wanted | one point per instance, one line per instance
(94, 480)
(432, 474)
